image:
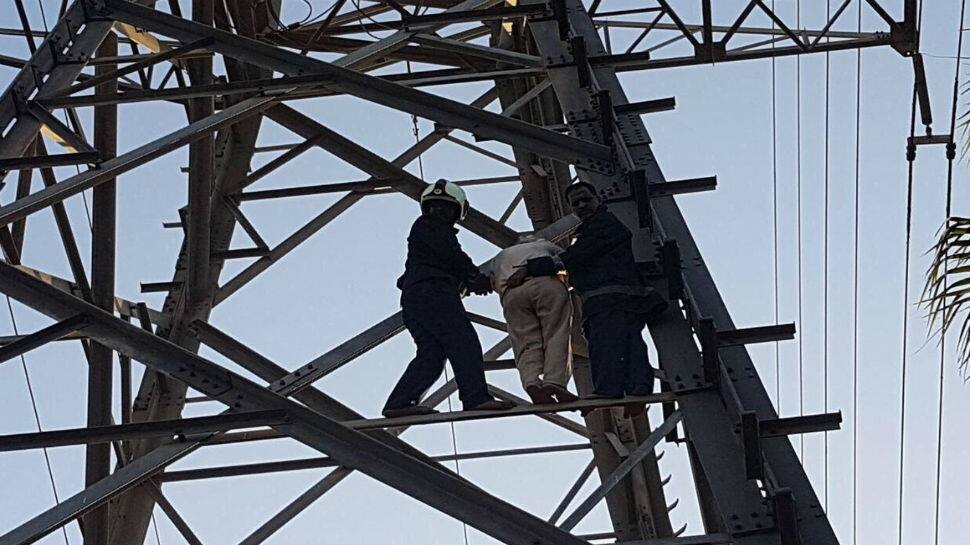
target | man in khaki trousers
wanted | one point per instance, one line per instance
(538, 312)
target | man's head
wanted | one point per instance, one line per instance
(444, 211)
(582, 199)
(445, 201)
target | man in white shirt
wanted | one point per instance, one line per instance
(538, 312)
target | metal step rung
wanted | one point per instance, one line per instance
(809, 423)
(751, 335)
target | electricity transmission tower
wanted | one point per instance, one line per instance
(563, 114)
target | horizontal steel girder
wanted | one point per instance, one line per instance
(159, 428)
(322, 462)
(445, 111)
(380, 168)
(462, 416)
(446, 492)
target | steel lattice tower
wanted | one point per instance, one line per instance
(563, 114)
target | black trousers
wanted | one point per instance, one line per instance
(435, 318)
(617, 353)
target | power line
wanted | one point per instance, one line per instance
(825, 274)
(33, 405)
(950, 155)
(454, 446)
(855, 294)
(798, 223)
(911, 159)
(774, 200)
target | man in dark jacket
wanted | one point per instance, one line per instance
(435, 272)
(616, 305)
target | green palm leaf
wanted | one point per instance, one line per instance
(946, 294)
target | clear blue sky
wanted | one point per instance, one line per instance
(342, 281)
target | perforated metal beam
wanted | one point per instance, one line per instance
(446, 492)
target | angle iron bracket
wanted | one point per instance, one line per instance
(637, 179)
(786, 516)
(604, 105)
(709, 358)
(670, 261)
(577, 46)
(561, 14)
(754, 467)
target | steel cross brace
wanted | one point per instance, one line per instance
(158, 397)
(53, 67)
(445, 111)
(301, 124)
(709, 418)
(113, 167)
(442, 490)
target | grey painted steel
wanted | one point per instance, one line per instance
(46, 74)
(733, 394)
(160, 428)
(572, 492)
(121, 306)
(378, 333)
(363, 56)
(307, 126)
(323, 486)
(556, 419)
(70, 508)
(111, 168)
(323, 461)
(474, 50)
(375, 187)
(709, 539)
(448, 112)
(526, 409)
(201, 170)
(719, 468)
(158, 397)
(635, 62)
(173, 515)
(100, 358)
(445, 492)
(41, 337)
(637, 510)
(622, 470)
(380, 168)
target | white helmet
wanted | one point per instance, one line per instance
(444, 190)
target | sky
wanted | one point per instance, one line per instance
(772, 193)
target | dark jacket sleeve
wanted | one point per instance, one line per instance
(594, 242)
(441, 242)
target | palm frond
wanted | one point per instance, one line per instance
(946, 294)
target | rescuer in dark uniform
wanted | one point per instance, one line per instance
(435, 272)
(616, 305)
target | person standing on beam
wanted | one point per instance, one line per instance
(538, 312)
(616, 305)
(435, 273)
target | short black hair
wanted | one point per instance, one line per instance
(580, 185)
